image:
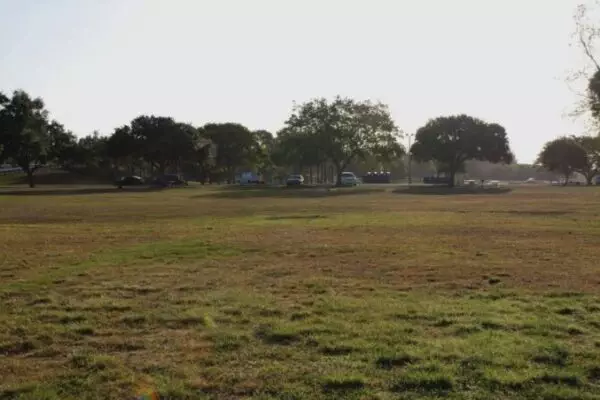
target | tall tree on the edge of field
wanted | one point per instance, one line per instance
(563, 155)
(23, 132)
(163, 141)
(591, 146)
(203, 157)
(296, 150)
(264, 143)
(123, 148)
(61, 144)
(346, 130)
(451, 141)
(235, 146)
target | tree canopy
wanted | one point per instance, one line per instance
(451, 141)
(563, 155)
(340, 132)
(24, 134)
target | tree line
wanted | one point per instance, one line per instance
(321, 136)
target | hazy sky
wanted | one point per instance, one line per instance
(99, 64)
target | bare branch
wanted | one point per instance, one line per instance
(586, 45)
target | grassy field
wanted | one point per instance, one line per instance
(203, 293)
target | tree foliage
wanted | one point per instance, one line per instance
(591, 147)
(340, 131)
(451, 141)
(24, 132)
(563, 155)
(235, 144)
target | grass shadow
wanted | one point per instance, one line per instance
(288, 192)
(532, 213)
(445, 191)
(67, 191)
(295, 217)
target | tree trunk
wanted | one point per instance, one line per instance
(30, 178)
(452, 179)
(589, 179)
(567, 176)
(231, 175)
(339, 168)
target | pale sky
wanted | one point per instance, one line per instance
(99, 64)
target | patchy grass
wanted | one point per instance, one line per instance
(288, 294)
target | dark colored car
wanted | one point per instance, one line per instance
(377, 177)
(169, 181)
(129, 181)
(294, 180)
(436, 180)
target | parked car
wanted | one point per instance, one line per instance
(436, 180)
(377, 177)
(250, 178)
(129, 181)
(169, 181)
(294, 180)
(349, 179)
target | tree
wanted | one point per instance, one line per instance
(61, 144)
(23, 132)
(91, 155)
(343, 131)
(563, 155)
(235, 146)
(202, 161)
(162, 141)
(591, 146)
(264, 143)
(124, 148)
(451, 141)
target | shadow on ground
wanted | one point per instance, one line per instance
(444, 190)
(72, 191)
(287, 192)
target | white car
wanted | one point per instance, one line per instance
(349, 179)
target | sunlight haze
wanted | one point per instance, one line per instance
(98, 64)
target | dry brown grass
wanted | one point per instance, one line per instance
(222, 293)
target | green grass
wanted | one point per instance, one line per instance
(362, 293)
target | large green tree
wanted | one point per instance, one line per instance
(591, 146)
(202, 162)
(236, 146)
(62, 144)
(24, 132)
(264, 144)
(124, 149)
(162, 141)
(451, 141)
(341, 131)
(564, 156)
